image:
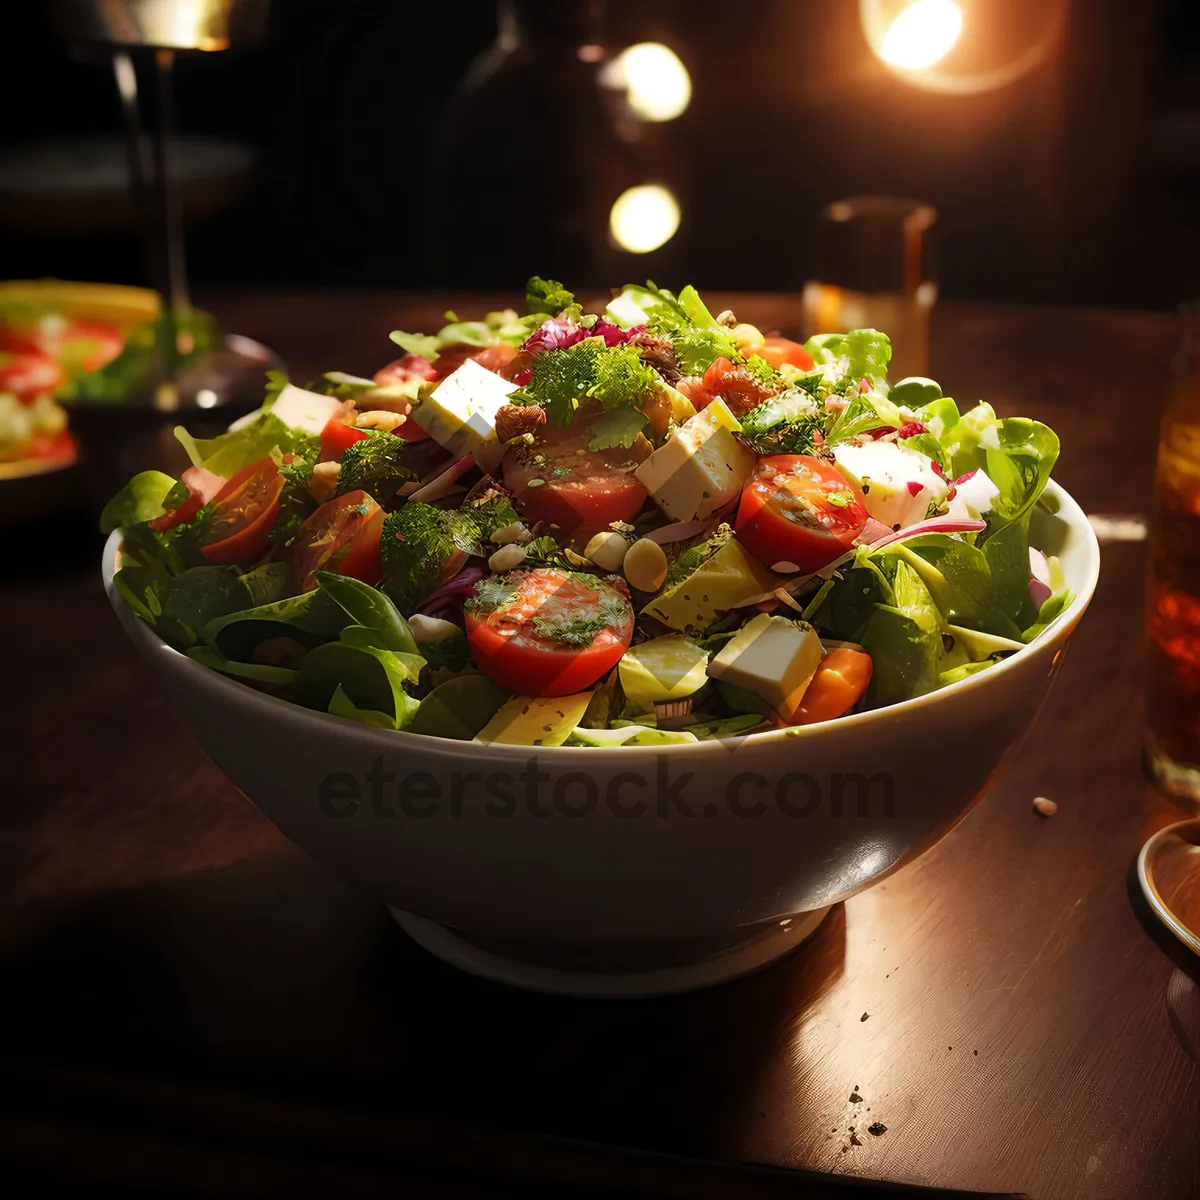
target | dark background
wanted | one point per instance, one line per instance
(372, 165)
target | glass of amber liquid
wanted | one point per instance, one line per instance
(1173, 600)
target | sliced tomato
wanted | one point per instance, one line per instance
(28, 376)
(202, 487)
(58, 446)
(16, 339)
(342, 536)
(337, 437)
(405, 370)
(780, 350)
(559, 480)
(799, 509)
(87, 345)
(548, 632)
(836, 688)
(243, 512)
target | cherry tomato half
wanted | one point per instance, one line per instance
(202, 487)
(799, 509)
(337, 437)
(559, 480)
(780, 350)
(404, 370)
(836, 688)
(58, 446)
(342, 536)
(30, 375)
(551, 633)
(244, 511)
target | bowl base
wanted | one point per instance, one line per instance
(609, 977)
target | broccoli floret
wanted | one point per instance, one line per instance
(547, 296)
(614, 375)
(472, 525)
(377, 465)
(416, 545)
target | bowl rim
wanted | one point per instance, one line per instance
(1054, 633)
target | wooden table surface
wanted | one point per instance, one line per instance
(195, 1005)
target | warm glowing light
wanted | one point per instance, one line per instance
(644, 218)
(922, 34)
(657, 85)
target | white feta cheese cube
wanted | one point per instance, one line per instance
(460, 413)
(298, 408)
(774, 658)
(898, 483)
(701, 467)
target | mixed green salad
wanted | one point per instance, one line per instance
(652, 524)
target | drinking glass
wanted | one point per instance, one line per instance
(1173, 600)
(875, 270)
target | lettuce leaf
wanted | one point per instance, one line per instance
(142, 499)
(229, 452)
(859, 354)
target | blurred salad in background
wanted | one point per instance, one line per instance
(64, 343)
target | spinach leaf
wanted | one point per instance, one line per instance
(309, 619)
(371, 609)
(142, 499)
(459, 708)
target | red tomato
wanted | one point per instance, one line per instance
(404, 370)
(560, 481)
(731, 381)
(494, 358)
(56, 446)
(202, 486)
(410, 368)
(337, 437)
(556, 635)
(14, 340)
(342, 536)
(28, 376)
(244, 511)
(799, 509)
(780, 350)
(836, 688)
(90, 344)
(94, 343)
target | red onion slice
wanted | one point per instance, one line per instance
(933, 525)
(441, 483)
(461, 585)
(872, 531)
(1039, 578)
(680, 531)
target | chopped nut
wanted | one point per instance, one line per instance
(645, 565)
(428, 631)
(323, 482)
(607, 550)
(506, 558)
(380, 419)
(514, 531)
(785, 568)
(1044, 807)
(727, 318)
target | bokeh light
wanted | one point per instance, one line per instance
(657, 85)
(644, 218)
(922, 34)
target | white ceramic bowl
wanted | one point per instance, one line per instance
(738, 848)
